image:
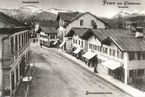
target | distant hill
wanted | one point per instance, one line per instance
(46, 16)
(27, 12)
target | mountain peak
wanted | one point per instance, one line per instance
(56, 10)
(131, 13)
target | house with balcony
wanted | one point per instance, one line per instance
(82, 20)
(116, 52)
(48, 36)
(78, 45)
(14, 54)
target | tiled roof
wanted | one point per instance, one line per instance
(78, 31)
(8, 22)
(104, 33)
(49, 30)
(67, 16)
(49, 24)
(122, 38)
(129, 43)
(13, 30)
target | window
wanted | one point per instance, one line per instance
(92, 22)
(99, 49)
(12, 81)
(81, 22)
(105, 50)
(16, 43)
(82, 43)
(79, 42)
(131, 73)
(52, 36)
(120, 54)
(112, 52)
(73, 40)
(131, 56)
(76, 41)
(139, 56)
(17, 71)
(143, 56)
(19, 41)
(12, 45)
(140, 72)
(90, 46)
(22, 39)
(95, 47)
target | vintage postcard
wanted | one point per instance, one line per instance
(72, 48)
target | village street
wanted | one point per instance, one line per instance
(56, 76)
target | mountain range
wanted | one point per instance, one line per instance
(28, 11)
(51, 14)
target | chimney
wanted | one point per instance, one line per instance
(139, 32)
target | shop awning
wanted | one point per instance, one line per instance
(77, 50)
(89, 55)
(44, 39)
(62, 43)
(111, 64)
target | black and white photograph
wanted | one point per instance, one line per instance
(72, 48)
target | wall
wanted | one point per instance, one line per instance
(87, 22)
(10, 65)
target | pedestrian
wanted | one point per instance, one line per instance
(41, 44)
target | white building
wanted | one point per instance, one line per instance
(83, 20)
(118, 53)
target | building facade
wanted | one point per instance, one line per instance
(48, 36)
(117, 53)
(15, 58)
(82, 20)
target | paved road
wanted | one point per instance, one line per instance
(56, 76)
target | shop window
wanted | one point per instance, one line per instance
(139, 56)
(140, 72)
(131, 73)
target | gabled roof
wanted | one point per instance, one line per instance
(8, 22)
(78, 31)
(127, 43)
(49, 24)
(67, 16)
(102, 34)
(10, 31)
(49, 30)
(81, 14)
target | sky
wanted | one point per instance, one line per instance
(94, 6)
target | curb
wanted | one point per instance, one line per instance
(93, 72)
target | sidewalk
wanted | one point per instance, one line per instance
(22, 90)
(126, 88)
